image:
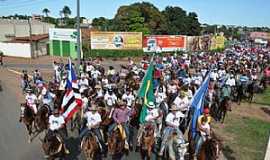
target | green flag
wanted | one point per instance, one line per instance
(146, 91)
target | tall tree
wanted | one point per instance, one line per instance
(46, 11)
(194, 27)
(66, 11)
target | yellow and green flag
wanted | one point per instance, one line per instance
(146, 91)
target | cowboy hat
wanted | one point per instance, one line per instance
(98, 86)
(151, 104)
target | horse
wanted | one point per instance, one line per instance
(223, 108)
(147, 144)
(90, 147)
(250, 91)
(76, 121)
(176, 148)
(210, 150)
(116, 145)
(41, 119)
(53, 147)
(28, 119)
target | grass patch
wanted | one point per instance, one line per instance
(245, 138)
(264, 98)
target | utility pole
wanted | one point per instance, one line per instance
(78, 36)
(30, 37)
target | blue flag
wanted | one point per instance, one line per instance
(197, 104)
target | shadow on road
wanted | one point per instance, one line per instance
(228, 153)
(73, 146)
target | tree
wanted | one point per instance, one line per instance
(101, 23)
(66, 11)
(193, 25)
(46, 11)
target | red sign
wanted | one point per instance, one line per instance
(164, 43)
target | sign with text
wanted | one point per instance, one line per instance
(63, 34)
(164, 43)
(116, 40)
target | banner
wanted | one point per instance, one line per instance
(116, 40)
(217, 42)
(164, 43)
(198, 43)
(63, 34)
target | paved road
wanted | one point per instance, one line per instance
(13, 136)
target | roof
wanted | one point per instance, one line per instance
(27, 38)
(37, 37)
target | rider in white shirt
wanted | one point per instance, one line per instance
(47, 98)
(182, 102)
(172, 125)
(110, 98)
(57, 126)
(31, 100)
(160, 95)
(129, 98)
(83, 83)
(154, 118)
(95, 74)
(93, 119)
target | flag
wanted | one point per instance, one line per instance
(72, 100)
(197, 104)
(146, 91)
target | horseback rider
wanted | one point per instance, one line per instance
(129, 98)
(24, 80)
(83, 83)
(110, 98)
(160, 95)
(57, 127)
(31, 100)
(203, 134)
(121, 116)
(182, 101)
(47, 98)
(152, 118)
(172, 125)
(93, 119)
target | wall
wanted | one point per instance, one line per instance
(16, 49)
(61, 52)
(20, 28)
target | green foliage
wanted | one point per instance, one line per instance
(46, 11)
(66, 11)
(112, 53)
(145, 17)
(250, 138)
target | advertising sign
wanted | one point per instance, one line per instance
(116, 40)
(164, 43)
(217, 42)
(63, 34)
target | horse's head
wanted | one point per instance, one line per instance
(89, 145)
(115, 142)
(52, 145)
(180, 146)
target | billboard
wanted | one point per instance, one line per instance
(217, 42)
(116, 40)
(164, 43)
(63, 34)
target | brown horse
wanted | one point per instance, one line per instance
(210, 150)
(90, 147)
(53, 147)
(147, 143)
(116, 145)
(41, 119)
(223, 108)
(28, 119)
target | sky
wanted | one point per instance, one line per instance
(228, 12)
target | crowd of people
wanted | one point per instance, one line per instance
(235, 74)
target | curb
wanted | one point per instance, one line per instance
(18, 73)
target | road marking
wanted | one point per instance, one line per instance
(267, 154)
(18, 73)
